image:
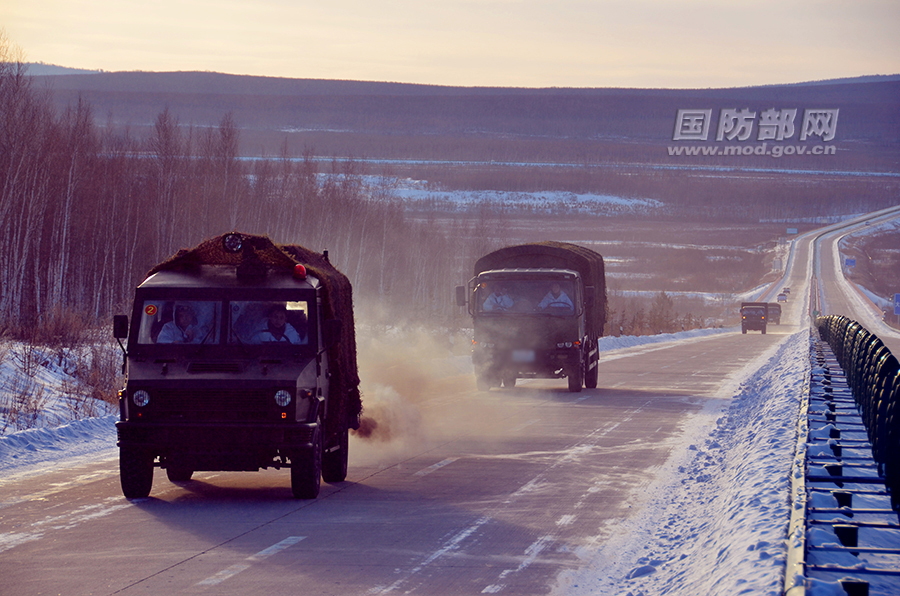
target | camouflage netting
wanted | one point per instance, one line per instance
(260, 255)
(557, 255)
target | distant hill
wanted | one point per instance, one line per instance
(400, 120)
(41, 69)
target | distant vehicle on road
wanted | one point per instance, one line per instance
(785, 290)
(753, 316)
(782, 297)
(774, 310)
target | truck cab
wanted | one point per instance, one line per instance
(528, 323)
(230, 372)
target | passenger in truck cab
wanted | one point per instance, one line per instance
(276, 328)
(499, 300)
(182, 329)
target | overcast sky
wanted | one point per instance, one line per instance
(527, 43)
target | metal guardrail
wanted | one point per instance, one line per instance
(844, 526)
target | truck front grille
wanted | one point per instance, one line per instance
(224, 405)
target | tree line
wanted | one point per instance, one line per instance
(87, 210)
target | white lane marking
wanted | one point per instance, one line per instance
(437, 466)
(238, 567)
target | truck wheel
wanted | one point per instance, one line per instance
(591, 375)
(135, 472)
(744, 331)
(178, 473)
(763, 330)
(509, 381)
(575, 379)
(334, 463)
(306, 469)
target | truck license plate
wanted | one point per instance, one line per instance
(523, 355)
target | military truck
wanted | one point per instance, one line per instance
(240, 356)
(773, 310)
(753, 316)
(538, 310)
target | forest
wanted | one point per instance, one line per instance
(86, 212)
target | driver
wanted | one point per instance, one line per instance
(276, 328)
(555, 298)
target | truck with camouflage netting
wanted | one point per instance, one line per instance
(240, 356)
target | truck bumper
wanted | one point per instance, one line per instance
(219, 447)
(527, 363)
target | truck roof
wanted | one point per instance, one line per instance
(223, 277)
(524, 273)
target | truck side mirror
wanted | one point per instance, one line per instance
(331, 332)
(120, 326)
(460, 295)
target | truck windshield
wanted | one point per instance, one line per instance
(263, 322)
(553, 297)
(201, 322)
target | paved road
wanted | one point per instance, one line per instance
(481, 493)
(498, 493)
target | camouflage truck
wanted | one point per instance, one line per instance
(538, 310)
(240, 356)
(754, 316)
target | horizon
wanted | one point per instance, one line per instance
(57, 69)
(648, 44)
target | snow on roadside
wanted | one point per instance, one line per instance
(718, 523)
(87, 437)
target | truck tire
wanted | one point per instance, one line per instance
(591, 375)
(306, 469)
(178, 473)
(135, 472)
(509, 381)
(576, 378)
(763, 330)
(334, 463)
(744, 330)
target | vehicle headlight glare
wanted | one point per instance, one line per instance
(140, 398)
(283, 398)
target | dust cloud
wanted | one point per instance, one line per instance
(418, 390)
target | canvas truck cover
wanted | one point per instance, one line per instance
(260, 256)
(557, 255)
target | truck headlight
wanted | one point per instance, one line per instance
(283, 397)
(140, 398)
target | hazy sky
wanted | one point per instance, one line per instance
(529, 43)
